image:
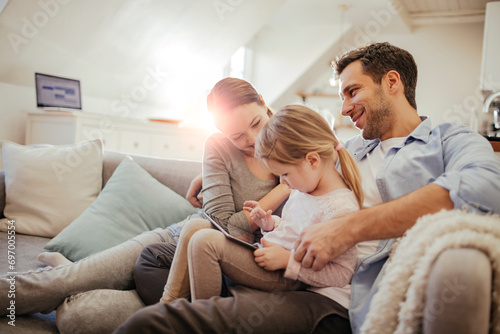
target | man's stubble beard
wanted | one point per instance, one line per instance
(378, 121)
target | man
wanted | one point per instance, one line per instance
(408, 169)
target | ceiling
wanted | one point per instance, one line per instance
(114, 45)
(442, 11)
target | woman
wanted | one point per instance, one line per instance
(230, 172)
(232, 175)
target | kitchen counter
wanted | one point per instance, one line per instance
(495, 142)
(492, 138)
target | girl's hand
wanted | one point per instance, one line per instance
(261, 218)
(272, 257)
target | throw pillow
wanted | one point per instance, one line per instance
(48, 187)
(131, 202)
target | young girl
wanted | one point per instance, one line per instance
(297, 145)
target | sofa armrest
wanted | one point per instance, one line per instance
(2, 193)
(458, 297)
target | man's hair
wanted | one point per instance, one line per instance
(378, 59)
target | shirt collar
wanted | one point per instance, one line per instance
(359, 147)
(422, 131)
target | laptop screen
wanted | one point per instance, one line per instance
(57, 92)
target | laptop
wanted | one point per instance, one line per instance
(229, 236)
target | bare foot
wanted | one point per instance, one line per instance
(53, 259)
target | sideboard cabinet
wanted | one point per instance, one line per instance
(142, 137)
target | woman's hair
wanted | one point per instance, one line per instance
(379, 58)
(229, 93)
(295, 131)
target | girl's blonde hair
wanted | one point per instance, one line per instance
(295, 131)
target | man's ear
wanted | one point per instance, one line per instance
(393, 81)
(313, 159)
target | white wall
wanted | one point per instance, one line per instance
(448, 57)
(15, 102)
(449, 61)
(282, 54)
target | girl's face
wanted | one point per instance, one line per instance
(242, 125)
(302, 176)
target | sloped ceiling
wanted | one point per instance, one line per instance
(113, 46)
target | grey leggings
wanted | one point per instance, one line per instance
(211, 253)
(152, 270)
(90, 309)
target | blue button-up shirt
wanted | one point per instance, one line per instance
(451, 156)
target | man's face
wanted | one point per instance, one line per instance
(365, 102)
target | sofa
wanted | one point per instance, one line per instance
(447, 310)
(175, 174)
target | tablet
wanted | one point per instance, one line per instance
(229, 236)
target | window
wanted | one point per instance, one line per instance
(238, 64)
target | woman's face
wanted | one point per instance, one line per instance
(242, 125)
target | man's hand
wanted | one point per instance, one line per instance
(272, 257)
(320, 243)
(194, 195)
(260, 217)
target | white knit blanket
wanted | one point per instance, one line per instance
(398, 306)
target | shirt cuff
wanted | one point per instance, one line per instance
(293, 268)
(452, 182)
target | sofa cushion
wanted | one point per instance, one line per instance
(131, 202)
(48, 187)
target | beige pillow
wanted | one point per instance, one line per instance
(48, 187)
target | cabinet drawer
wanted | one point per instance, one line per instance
(192, 146)
(50, 130)
(135, 142)
(165, 145)
(193, 149)
(110, 136)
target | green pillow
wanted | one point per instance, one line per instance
(131, 202)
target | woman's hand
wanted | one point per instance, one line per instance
(272, 257)
(194, 195)
(260, 217)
